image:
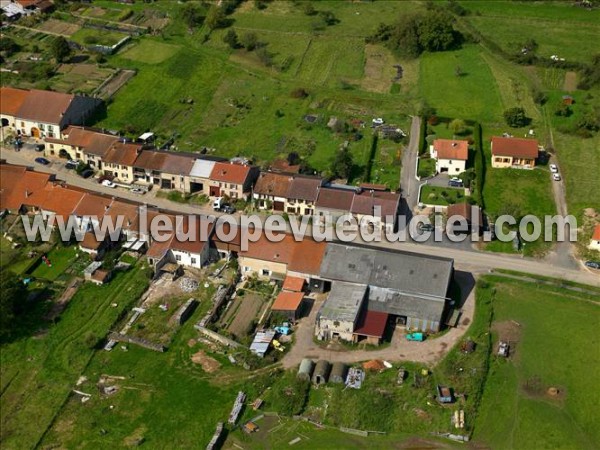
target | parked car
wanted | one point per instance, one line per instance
(228, 209)
(553, 168)
(86, 173)
(378, 121)
(73, 162)
(42, 161)
(70, 166)
(455, 182)
(108, 183)
(426, 227)
(138, 191)
(556, 177)
(593, 264)
(39, 147)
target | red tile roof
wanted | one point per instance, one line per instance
(304, 188)
(287, 301)
(515, 147)
(281, 165)
(273, 184)
(295, 284)
(122, 153)
(62, 199)
(173, 163)
(372, 323)
(464, 210)
(11, 100)
(338, 199)
(92, 205)
(230, 173)
(90, 242)
(365, 203)
(451, 149)
(45, 106)
(596, 236)
(307, 256)
(21, 187)
(91, 141)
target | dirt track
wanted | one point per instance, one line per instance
(428, 352)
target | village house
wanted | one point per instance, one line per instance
(302, 195)
(21, 189)
(119, 159)
(94, 247)
(595, 241)
(334, 202)
(374, 207)
(339, 314)
(288, 304)
(470, 214)
(200, 176)
(516, 153)
(43, 114)
(270, 190)
(232, 180)
(81, 144)
(166, 170)
(451, 155)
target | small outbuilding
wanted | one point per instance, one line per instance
(289, 304)
(321, 373)
(339, 370)
(306, 369)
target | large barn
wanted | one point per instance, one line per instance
(411, 287)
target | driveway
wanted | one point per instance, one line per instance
(409, 186)
(428, 352)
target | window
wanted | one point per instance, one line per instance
(246, 269)
(178, 257)
(193, 260)
(41, 126)
(266, 272)
(50, 129)
(51, 145)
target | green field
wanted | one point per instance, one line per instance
(39, 372)
(516, 410)
(473, 95)
(92, 36)
(574, 30)
(60, 259)
(435, 195)
(150, 52)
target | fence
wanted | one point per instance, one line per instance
(137, 341)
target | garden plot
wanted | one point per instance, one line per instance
(245, 310)
(84, 78)
(53, 26)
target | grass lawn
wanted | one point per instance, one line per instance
(473, 95)
(516, 410)
(426, 167)
(574, 30)
(60, 258)
(434, 195)
(39, 372)
(90, 36)
(150, 51)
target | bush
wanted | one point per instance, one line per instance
(477, 189)
(516, 117)
(299, 93)
(289, 395)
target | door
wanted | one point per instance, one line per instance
(35, 132)
(215, 191)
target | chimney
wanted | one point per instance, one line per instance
(27, 193)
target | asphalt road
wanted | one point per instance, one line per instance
(471, 261)
(408, 183)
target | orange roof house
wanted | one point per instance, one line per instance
(232, 179)
(595, 241)
(514, 152)
(11, 100)
(451, 149)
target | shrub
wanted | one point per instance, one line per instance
(299, 93)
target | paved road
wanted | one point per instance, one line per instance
(464, 260)
(408, 183)
(428, 352)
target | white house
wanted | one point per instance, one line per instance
(451, 155)
(43, 114)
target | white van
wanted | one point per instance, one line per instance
(218, 203)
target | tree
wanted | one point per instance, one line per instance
(309, 9)
(563, 110)
(328, 17)
(249, 41)
(12, 295)
(231, 38)
(458, 126)
(60, 49)
(191, 16)
(516, 117)
(435, 32)
(215, 18)
(342, 163)
(8, 46)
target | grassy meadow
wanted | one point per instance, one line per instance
(517, 410)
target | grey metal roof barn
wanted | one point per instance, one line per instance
(306, 369)
(408, 273)
(339, 370)
(321, 373)
(344, 302)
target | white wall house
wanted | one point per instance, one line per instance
(451, 155)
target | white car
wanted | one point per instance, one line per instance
(553, 168)
(109, 184)
(378, 121)
(556, 177)
(138, 191)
